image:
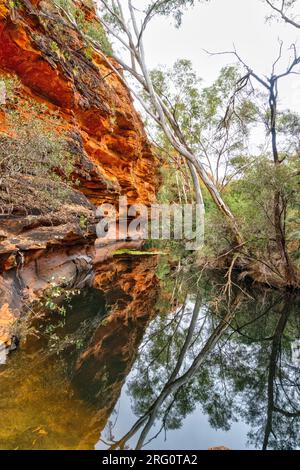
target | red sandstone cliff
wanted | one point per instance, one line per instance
(91, 99)
(113, 157)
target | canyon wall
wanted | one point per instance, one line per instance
(59, 75)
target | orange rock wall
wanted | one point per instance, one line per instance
(50, 59)
(113, 155)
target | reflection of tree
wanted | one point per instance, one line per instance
(243, 372)
(177, 380)
(281, 422)
(275, 351)
(264, 380)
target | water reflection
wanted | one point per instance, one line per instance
(59, 389)
(236, 361)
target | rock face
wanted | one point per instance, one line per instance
(59, 70)
(51, 60)
(218, 448)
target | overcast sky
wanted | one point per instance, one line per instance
(215, 26)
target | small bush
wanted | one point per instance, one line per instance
(67, 5)
(32, 152)
(97, 34)
(93, 29)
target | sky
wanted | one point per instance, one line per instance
(216, 26)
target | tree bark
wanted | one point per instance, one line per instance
(278, 198)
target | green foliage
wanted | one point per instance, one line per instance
(171, 8)
(218, 129)
(83, 222)
(163, 270)
(174, 7)
(251, 198)
(88, 52)
(67, 5)
(92, 29)
(54, 295)
(54, 47)
(33, 149)
(288, 130)
(15, 4)
(200, 113)
(180, 87)
(168, 191)
(96, 32)
(12, 87)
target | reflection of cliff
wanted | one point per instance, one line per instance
(50, 401)
(110, 355)
(71, 265)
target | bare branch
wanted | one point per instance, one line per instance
(283, 14)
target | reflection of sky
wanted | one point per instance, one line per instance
(296, 352)
(195, 433)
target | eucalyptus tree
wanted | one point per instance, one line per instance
(199, 112)
(275, 122)
(179, 116)
(172, 102)
(285, 10)
(127, 23)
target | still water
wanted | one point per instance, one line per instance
(155, 357)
